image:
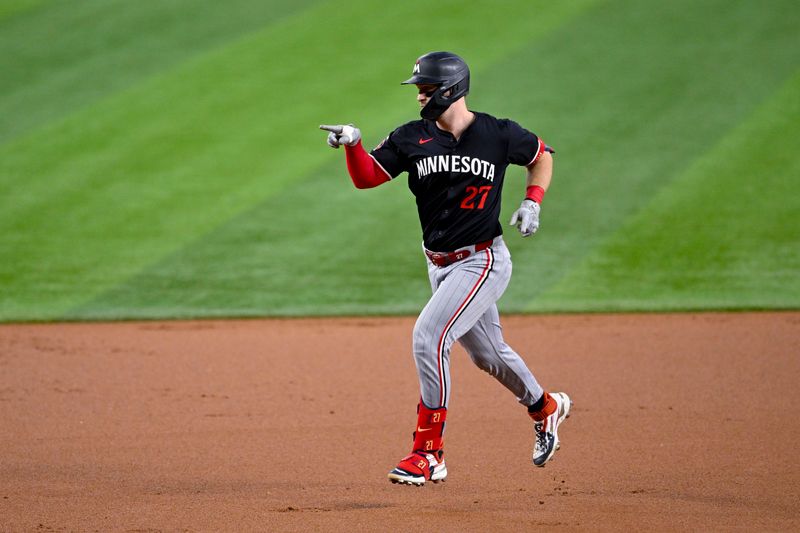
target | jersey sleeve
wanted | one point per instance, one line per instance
(524, 147)
(388, 155)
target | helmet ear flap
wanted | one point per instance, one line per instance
(456, 90)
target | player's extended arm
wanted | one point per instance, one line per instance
(364, 170)
(540, 173)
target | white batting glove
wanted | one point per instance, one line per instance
(526, 218)
(342, 134)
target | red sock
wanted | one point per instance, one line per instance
(430, 428)
(547, 409)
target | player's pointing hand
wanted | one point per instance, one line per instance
(342, 134)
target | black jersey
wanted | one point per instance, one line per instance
(457, 184)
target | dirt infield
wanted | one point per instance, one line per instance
(681, 422)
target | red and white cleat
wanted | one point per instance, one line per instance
(545, 426)
(419, 467)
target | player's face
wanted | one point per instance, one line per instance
(425, 93)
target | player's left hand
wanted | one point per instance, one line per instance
(342, 134)
(526, 218)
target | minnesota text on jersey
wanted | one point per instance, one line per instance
(455, 163)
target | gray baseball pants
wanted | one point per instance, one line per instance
(463, 307)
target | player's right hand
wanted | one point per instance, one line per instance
(526, 218)
(342, 134)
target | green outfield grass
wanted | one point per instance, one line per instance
(162, 159)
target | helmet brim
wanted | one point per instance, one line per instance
(417, 79)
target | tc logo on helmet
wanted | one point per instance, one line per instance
(416, 68)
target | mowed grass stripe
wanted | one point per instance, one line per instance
(723, 235)
(120, 185)
(59, 57)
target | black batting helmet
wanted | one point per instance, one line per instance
(449, 72)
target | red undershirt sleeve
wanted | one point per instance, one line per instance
(364, 170)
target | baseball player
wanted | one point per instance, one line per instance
(456, 161)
